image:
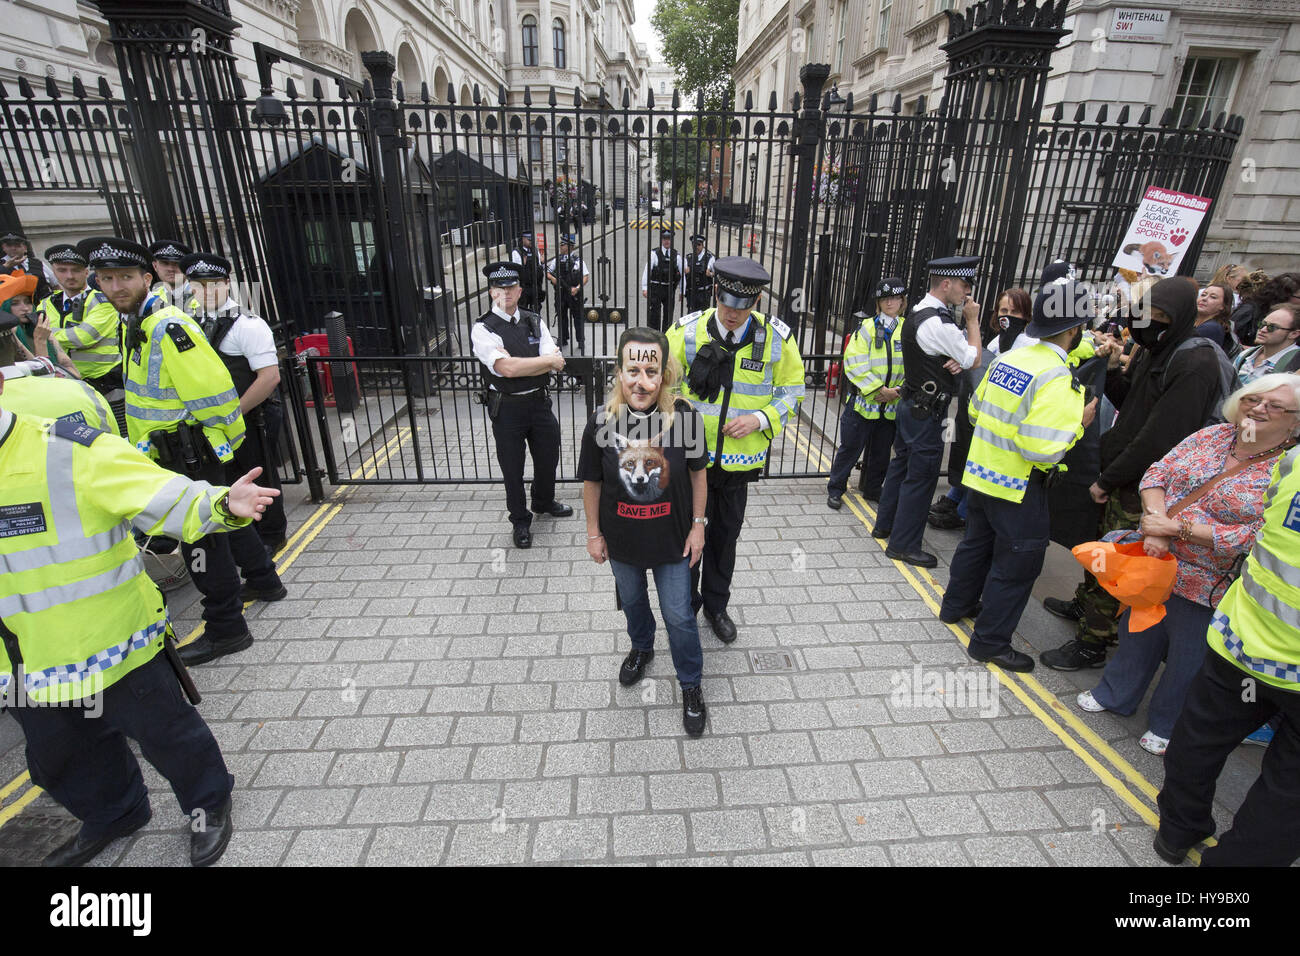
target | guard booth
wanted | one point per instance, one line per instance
(320, 207)
(481, 201)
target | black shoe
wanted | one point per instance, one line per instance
(207, 844)
(1074, 655)
(972, 613)
(834, 501)
(943, 506)
(872, 496)
(1173, 854)
(556, 510)
(274, 542)
(78, 852)
(1009, 660)
(206, 649)
(523, 536)
(1067, 610)
(922, 559)
(722, 625)
(945, 521)
(694, 713)
(634, 666)
(277, 593)
(878, 533)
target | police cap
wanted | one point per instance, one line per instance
(65, 252)
(12, 236)
(890, 287)
(205, 266)
(168, 250)
(740, 280)
(959, 267)
(568, 239)
(699, 237)
(112, 252)
(501, 275)
(665, 234)
(1057, 269)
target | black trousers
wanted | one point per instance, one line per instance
(699, 299)
(711, 576)
(661, 310)
(865, 438)
(999, 558)
(911, 479)
(962, 433)
(261, 448)
(85, 763)
(216, 561)
(532, 299)
(1214, 719)
(569, 312)
(527, 420)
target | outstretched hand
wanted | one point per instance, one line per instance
(249, 500)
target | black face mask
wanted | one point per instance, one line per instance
(1150, 335)
(1010, 332)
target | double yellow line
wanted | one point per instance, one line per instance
(1121, 776)
(288, 553)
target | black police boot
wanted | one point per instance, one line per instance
(277, 593)
(694, 713)
(208, 843)
(556, 510)
(1009, 660)
(972, 613)
(1170, 853)
(722, 625)
(206, 649)
(634, 666)
(78, 852)
(834, 501)
(921, 559)
(881, 533)
(523, 536)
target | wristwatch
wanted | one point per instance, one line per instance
(699, 520)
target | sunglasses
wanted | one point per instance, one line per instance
(1271, 327)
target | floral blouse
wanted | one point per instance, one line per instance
(1232, 508)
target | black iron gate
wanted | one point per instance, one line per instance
(360, 218)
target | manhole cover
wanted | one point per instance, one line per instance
(772, 662)
(27, 838)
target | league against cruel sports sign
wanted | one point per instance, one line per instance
(1164, 224)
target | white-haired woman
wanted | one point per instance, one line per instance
(1202, 501)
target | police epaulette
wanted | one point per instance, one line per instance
(781, 328)
(77, 431)
(180, 336)
(690, 317)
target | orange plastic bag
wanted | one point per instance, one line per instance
(1131, 576)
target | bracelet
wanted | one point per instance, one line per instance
(592, 537)
(1185, 528)
(222, 508)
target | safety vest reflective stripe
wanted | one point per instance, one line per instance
(1261, 665)
(1047, 434)
(172, 504)
(729, 459)
(1268, 601)
(67, 593)
(786, 399)
(1270, 562)
(1006, 481)
(146, 390)
(97, 663)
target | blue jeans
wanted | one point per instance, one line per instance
(673, 582)
(958, 495)
(1180, 638)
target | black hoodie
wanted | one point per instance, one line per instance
(1157, 411)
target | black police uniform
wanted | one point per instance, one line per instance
(520, 411)
(699, 284)
(169, 250)
(568, 274)
(928, 388)
(664, 278)
(531, 275)
(261, 445)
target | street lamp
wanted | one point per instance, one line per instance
(753, 182)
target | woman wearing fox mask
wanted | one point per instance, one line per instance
(644, 492)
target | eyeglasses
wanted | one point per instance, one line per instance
(1271, 327)
(1273, 408)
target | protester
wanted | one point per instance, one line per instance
(1166, 394)
(1277, 347)
(1213, 316)
(1230, 276)
(1202, 502)
(644, 491)
(1260, 295)
(31, 331)
(1252, 676)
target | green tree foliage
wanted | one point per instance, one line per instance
(699, 43)
(681, 160)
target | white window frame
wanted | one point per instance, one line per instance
(1238, 61)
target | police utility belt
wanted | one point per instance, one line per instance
(928, 401)
(185, 450)
(493, 399)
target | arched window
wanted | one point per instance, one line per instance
(530, 40)
(557, 37)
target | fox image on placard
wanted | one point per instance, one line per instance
(642, 466)
(1155, 257)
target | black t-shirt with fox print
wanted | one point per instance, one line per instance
(645, 482)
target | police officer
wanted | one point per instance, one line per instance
(1027, 412)
(245, 344)
(1250, 676)
(525, 256)
(70, 494)
(34, 387)
(166, 255)
(568, 273)
(744, 375)
(935, 348)
(873, 362)
(182, 411)
(699, 275)
(516, 349)
(18, 258)
(661, 281)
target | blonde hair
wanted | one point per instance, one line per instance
(1220, 277)
(670, 373)
(1265, 383)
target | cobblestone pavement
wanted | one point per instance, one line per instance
(428, 694)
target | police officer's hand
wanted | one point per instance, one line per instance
(557, 361)
(596, 548)
(694, 544)
(1089, 412)
(886, 394)
(971, 311)
(742, 425)
(644, 293)
(953, 366)
(1096, 491)
(249, 500)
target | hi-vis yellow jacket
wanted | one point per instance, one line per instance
(1027, 415)
(1257, 624)
(89, 333)
(873, 361)
(769, 384)
(48, 396)
(77, 607)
